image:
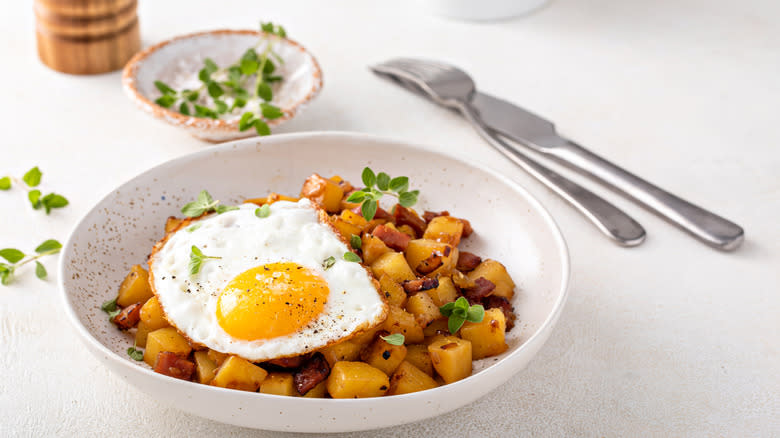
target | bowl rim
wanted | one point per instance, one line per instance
(130, 72)
(284, 140)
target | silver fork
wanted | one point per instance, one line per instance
(453, 88)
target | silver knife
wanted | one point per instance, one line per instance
(539, 134)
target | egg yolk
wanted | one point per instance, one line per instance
(271, 300)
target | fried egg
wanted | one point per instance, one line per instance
(264, 291)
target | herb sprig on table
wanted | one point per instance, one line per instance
(378, 185)
(30, 180)
(234, 86)
(17, 258)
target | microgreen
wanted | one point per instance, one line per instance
(110, 308)
(263, 211)
(223, 90)
(459, 312)
(135, 353)
(197, 258)
(5, 183)
(328, 262)
(193, 228)
(204, 204)
(17, 258)
(32, 178)
(351, 257)
(394, 339)
(378, 185)
(355, 242)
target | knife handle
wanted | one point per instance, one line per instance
(610, 220)
(708, 227)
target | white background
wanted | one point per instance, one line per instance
(670, 338)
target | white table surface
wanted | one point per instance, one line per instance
(670, 338)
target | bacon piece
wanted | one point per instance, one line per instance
(467, 261)
(482, 288)
(467, 230)
(392, 238)
(314, 371)
(381, 213)
(128, 317)
(288, 362)
(496, 302)
(420, 284)
(429, 215)
(174, 365)
(407, 216)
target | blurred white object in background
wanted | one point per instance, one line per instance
(479, 10)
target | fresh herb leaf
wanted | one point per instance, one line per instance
(355, 242)
(40, 270)
(368, 177)
(48, 246)
(249, 66)
(270, 112)
(135, 353)
(13, 255)
(394, 339)
(407, 199)
(356, 196)
(368, 209)
(459, 312)
(164, 88)
(264, 91)
(328, 262)
(224, 208)
(6, 274)
(184, 108)
(221, 106)
(193, 227)
(5, 183)
(263, 211)
(35, 198)
(399, 184)
(109, 306)
(197, 258)
(165, 101)
(262, 128)
(475, 313)
(351, 257)
(247, 121)
(205, 203)
(210, 65)
(215, 90)
(53, 200)
(192, 96)
(33, 177)
(202, 111)
(382, 181)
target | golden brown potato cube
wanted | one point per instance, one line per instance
(205, 368)
(135, 287)
(394, 265)
(445, 229)
(356, 380)
(394, 292)
(152, 314)
(345, 350)
(354, 219)
(486, 337)
(423, 308)
(431, 258)
(400, 321)
(367, 336)
(324, 192)
(318, 391)
(165, 339)
(217, 357)
(384, 356)
(496, 273)
(444, 293)
(451, 357)
(345, 228)
(460, 280)
(237, 373)
(437, 327)
(279, 384)
(372, 248)
(141, 332)
(171, 223)
(417, 355)
(408, 378)
(406, 229)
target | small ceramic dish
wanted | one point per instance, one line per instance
(510, 226)
(177, 61)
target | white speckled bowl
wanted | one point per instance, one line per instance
(170, 61)
(510, 226)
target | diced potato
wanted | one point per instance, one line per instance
(423, 308)
(394, 265)
(460, 280)
(408, 379)
(270, 199)
(171, 223)
(417, 355)
(400, 321)
(384, 356)
(431, 258)
(373, 223)
(217, 357)
(279, 384)
(367, 336)
(451, 357)
(345, 350)
(445, 229)
(237, 373)
(444, 293)
(152, 314)
(324, 192)
(495, 272)
(205, 368)
(394, 292)
(372, 248)
(406, 229)
(165, 339)
(436, 327)
(141, 332)
(318, 391)
(135, 287)
(356, 380)
(345, 228)
(354, 219)
(486, 337)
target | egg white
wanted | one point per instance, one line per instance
(292, 233)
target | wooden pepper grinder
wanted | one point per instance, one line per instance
(86, 36)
